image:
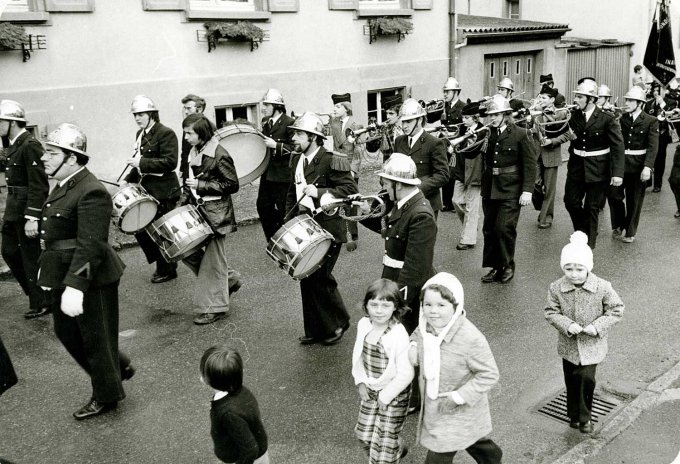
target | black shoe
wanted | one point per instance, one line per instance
(159, 279)
(545, 225)
(412, 410)
(337, 337)
(447, 208)
(574, 424)
(404, 452)
(127, 372)
(677, 214)
(33, 313)
(507, 275)
(235, 287)
(656, 189)
(586, 427)
(464, 246)
(492, 276)
(208, 318)
(93, 408)
(307, 340)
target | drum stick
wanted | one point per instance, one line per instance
(109, 182)
(287, 216)
(121, 174)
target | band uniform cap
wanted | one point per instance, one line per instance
(391, 100)
(142, 104)
(69, 137)
(588, 88)
(11, 110)
(636, 93)
(451, 84)
(337, 98)
(604, 91)
(583, 79)
(506, 83)
(411, 109)
(545, 78)
(549, 91)
(310, 123)
(498, 104)
(273, 97)
(400, 168)
(471, 109)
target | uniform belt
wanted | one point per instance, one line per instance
(391, 262)
(505, 170)
(586, 154)
(636, 152)
(55, 245)
(15, 189)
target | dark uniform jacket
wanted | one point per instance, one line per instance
(641, 134)
(653, 108)
(602, 131)
(410, 236)
(322, 173)
(278, 169)
(432, 168)
(510, 165)
(453, 114)
(26, 174)
(75, 231)
(216, 176)
(158, 149)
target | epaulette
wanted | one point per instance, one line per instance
(340, 162)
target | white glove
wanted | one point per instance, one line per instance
(72, 302)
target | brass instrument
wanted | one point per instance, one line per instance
(370, 128)
(458, 140)
(433, 108)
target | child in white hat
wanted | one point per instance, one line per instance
(457, 369)
(582, 307)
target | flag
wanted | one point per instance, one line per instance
(659, 57)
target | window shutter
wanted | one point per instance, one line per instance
(343, 4)
(422, 4)
(163, 5)
(69, 5)
(284, 5)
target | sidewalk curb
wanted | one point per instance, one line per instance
(653, 395)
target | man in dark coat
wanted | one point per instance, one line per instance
(153, 167)
(452, 118)
(640, 138)
(27, 189)
(426, 151)
(274, 183)
(82, 269)
(507, 185)
(596, 160)
(410, 233)
(317, 176)
(660, 106)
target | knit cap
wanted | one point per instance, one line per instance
(577, 251)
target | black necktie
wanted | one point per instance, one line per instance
(270, 124)
(305, 163)
(410, 143)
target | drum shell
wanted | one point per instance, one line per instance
(246, 146)
(133, 208)
(180, 232)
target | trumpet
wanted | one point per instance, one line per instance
(369, 128)
(458, 140)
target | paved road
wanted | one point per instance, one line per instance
(306, 393)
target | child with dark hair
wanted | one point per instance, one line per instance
(382, 373)
(236, 427)
(457, 369)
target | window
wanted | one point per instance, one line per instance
(518, 67)
(222, 5)
(379, 4)
(505, 68)
(17, 6)
(31, 11)
(492, 70)
(512, 9)
(224, 114)
(199, 10)
(374, 103)
(528, 65)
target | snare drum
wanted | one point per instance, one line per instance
(133, 208)
(180, 232)
(246, 147)
(300, 246)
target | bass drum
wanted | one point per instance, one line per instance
(133, 208)
(246, 147)
(180, 232)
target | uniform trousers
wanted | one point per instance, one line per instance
(7, 375)
(323, 310)
(674, 178)
(582, 200)
(214, 277)
(92, 340)
(549, 176)
(627, 215)
(580, 383)
(500, 232)
(353, 226)
(660, 163)
(467, 201)
(448, 190)
(21, 255)
(271, 205)
(483, 451)
(150, 248)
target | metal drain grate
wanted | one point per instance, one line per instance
(555, 407)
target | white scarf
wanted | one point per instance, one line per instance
(432, 353)
(301, 182)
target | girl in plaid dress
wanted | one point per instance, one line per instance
(382, 373)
